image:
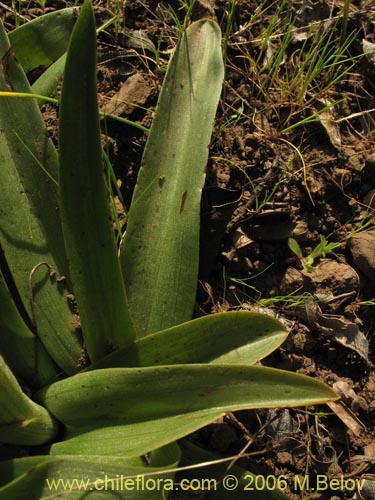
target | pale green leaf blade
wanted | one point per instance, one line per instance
(44, 477)
(134, 439)
(21, 420)
(238, 337)
(54, 313)
(89, 239)
(47, 82)
(111, 397)
(28, 179)
(43, 40)
(21, 349)
(160, 250)
(30, 226)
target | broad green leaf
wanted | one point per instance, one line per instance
(21, 349)
(89, 477)
(47, 82)
(28, 179)
(43, 40)
(135, 439)
(56, 315)
(112, 394)
(160, 250)
(21, 420)
(193, 395)
(235, 337)
(89, 239)
(30, 227)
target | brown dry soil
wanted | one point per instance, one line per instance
(266, 184)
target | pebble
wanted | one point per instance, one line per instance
(301, 232)
(328, 276)
(362, 248)
(367, 491)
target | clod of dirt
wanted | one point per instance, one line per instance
(329, 276)
(362, 247)
(345, 391)
(134, 92)
(330, 284)
(370, 450)
(327, 120)
(242, 246)
(342, 330)
(203, 8)
(301, 232)
(283, 429)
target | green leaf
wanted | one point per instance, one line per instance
(30, 226)
(47, 82)
(193, 394)
(113, 393)
(82, 477)
(160, 250)
(235, 337)
(294, 247)
(133, 439)
(89, 238)
(21, 349)
(56, 315)
(21, 420)
(43, 40)
(29, 162)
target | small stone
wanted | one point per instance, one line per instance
(282, 429)
(328, 276)
(370, 161)
(370, 449)
(362, 247)
(284, 458)
(332, 277)
(293, 280)
(134, 91)
(367, 490)
(300, 232)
